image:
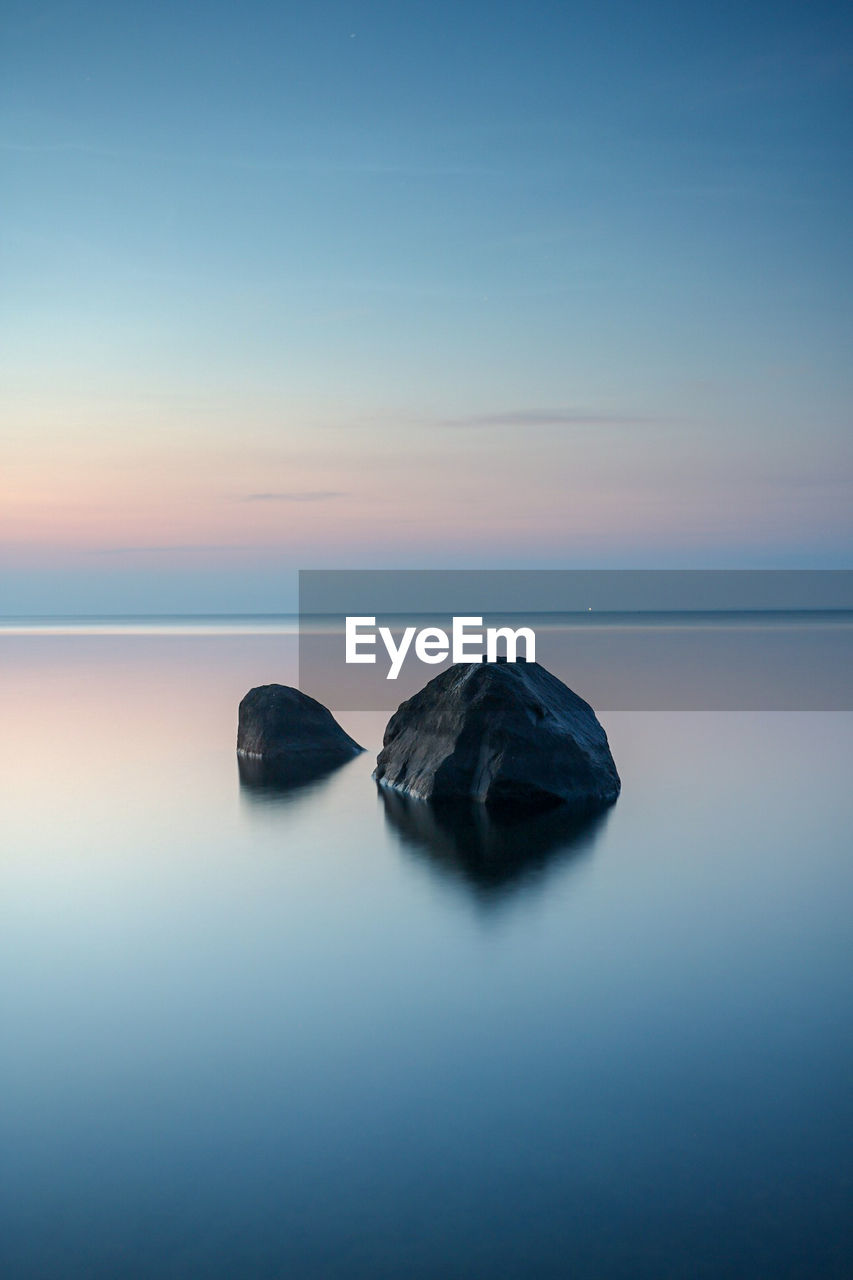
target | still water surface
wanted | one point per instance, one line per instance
(254, 1033)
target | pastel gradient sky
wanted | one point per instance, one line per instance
(448, 284)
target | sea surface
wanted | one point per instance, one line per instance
(257, 1032)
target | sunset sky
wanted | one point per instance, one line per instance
(452, 284)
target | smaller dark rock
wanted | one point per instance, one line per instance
(281, 725)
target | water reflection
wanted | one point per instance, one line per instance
(214, 1019)
(492, 851)
(280, 782)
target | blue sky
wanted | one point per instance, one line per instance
(300, 285)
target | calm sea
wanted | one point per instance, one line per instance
(249, 1032)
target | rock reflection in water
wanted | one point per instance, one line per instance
(492, 851)
(281, 781)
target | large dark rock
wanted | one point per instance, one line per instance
(285, 729)
(501, 733)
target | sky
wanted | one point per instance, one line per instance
(519, 285)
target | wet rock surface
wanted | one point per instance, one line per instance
(289, 732)
(504, 734)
